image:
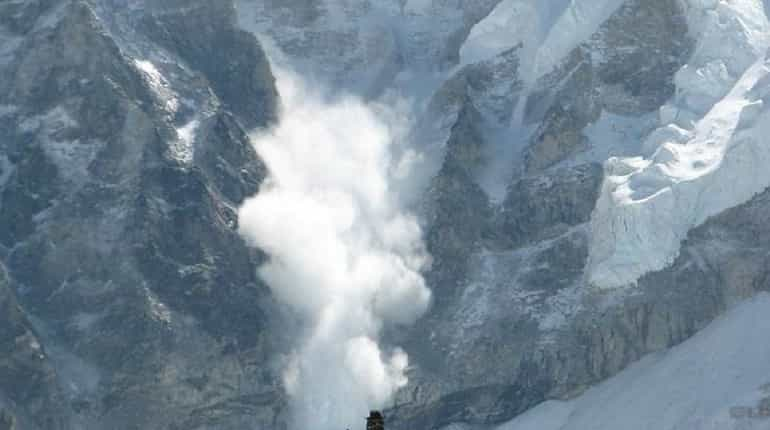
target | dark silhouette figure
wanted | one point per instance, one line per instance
(375, 421)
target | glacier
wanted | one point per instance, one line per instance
(708, 155)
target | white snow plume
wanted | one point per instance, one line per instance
(343, 252)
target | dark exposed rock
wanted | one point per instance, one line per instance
(138, 304)
(640, 49)
(205, 35)
(542, 207)
(458, 212)
(560, 134)
(626, 68)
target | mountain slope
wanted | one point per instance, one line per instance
(123, 160)
(715, 380)
(588, 179)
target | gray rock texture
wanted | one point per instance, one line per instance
(129, 299)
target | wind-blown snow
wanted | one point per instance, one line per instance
(343, 253)
(689, 171)
(717, 380)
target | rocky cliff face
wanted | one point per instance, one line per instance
(128, 300)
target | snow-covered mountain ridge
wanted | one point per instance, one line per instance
(578, 183)
(543, 136)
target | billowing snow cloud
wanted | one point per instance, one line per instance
(343, 253)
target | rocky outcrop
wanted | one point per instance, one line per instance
(543, 207)
(627, 67)
(138, 303)
(457, 212)
(25, 372)
(206, 36)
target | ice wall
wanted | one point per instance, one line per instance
(708, 155)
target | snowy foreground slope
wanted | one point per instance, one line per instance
(717, 380)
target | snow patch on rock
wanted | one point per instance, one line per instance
(159, 85)
(158, 310)
(182, 149)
